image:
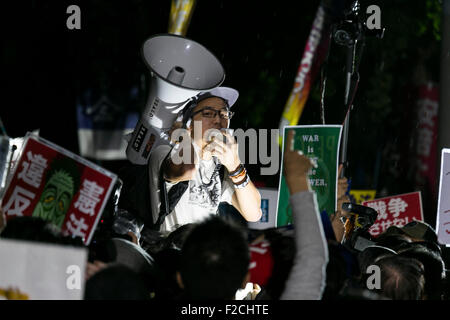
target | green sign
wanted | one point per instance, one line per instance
(320, 143)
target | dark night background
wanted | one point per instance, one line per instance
(45, 68)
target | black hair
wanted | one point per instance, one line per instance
(368, 257)
(168, 261)
(352, 290)
(214, 260)
(176, 238)
(116, 282)
(434, 268)
(371, 254)
(392, 241)
(401, 278)
(167, 258)
(36, 229)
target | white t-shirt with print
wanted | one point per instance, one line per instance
(202, 197)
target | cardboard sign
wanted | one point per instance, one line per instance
(269, 198)
(443, 214)
(359, 196)
(36, 271)
(395, 211)
(320, 143)
(58, 186)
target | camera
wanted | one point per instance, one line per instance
(357, 226)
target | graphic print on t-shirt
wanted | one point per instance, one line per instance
(205, 192)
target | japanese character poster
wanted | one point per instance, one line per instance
(54, 184)
(425, 135)
(321, 144)
(443, 214)
(395, 210)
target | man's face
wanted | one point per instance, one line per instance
(207, 113)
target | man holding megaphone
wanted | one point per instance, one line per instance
(204, 169)
(188, 181)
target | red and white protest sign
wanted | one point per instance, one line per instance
(395, 211)
(54, 184)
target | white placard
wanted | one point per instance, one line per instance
(42, 271)
(443, 214)
(269, 198)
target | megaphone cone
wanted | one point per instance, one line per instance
(180, 69)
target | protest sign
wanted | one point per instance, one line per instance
(358, 196)
(321, 144)
(37, 271)
(443, 214)
(54, 184)
(268, 208)
(395, 210)
(424, 136)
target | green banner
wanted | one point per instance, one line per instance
(320, 143)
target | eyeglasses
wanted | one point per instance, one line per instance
(209, 112)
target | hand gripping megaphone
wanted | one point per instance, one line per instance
(180, 69)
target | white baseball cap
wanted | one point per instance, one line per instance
(230, 95)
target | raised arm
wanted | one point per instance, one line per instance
(306, 280)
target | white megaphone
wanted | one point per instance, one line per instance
(180, 69)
